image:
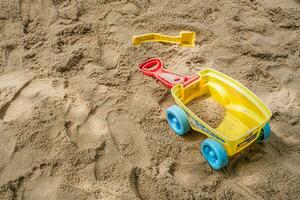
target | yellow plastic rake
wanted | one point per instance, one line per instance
(186, 38)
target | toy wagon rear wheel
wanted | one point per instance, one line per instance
(214, 152)
(264, 133)
(178, 120)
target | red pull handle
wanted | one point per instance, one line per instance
(154, 67)
(150, 66)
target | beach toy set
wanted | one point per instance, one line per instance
(245, 121)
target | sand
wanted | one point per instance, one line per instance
(79, 121)
(207, 109)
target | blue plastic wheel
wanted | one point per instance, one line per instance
(214, 152)
(178, 120)
(264, 133)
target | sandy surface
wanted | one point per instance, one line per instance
(79, 121)
(207, 109)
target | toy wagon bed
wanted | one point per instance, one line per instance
(246, 119)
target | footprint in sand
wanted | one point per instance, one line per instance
(129, 139)
(52, 188)
(70, 193)
(189, 174)
(89, 126)
(31, 94)
(10, 85)
(20, 162)
(7, 145)
(12, 56)
(42, 188)
(289, 80)
(110, 56)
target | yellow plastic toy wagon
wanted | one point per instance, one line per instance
(246, 119)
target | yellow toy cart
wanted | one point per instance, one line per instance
(246, 119)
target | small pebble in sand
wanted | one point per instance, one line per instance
(207, 109)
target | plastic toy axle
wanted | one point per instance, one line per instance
(186, 38)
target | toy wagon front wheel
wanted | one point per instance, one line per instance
(178, 120)
(215, 153)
